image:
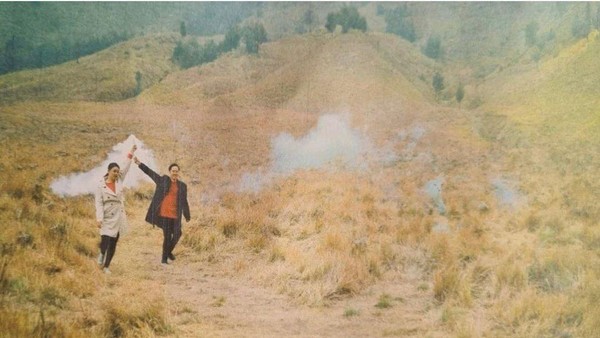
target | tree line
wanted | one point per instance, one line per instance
(19, 54)
(189, 53)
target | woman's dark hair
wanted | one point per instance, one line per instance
(174, 165)
(110, 166)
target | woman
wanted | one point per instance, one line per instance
(168, 206)
(110, 210)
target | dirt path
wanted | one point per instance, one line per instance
(203, 301)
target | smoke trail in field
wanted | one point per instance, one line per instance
(332, 140)
(506, 194)
(433, 188)
(85, 183)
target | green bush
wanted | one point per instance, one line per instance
(433, 48)
(190, 54)
(348, 17)
(254, 35)
(231, 41)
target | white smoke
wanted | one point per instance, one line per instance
(333, 140)
(433, 188)
(85, 183)
(506, 194)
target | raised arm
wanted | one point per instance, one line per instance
(127, 163)
(153, 175)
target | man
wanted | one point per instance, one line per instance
(168, 206)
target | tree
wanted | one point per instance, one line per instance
(138, 83)
(10, 55)
(209, 52)
(348, 17)
(331, 22)
(460, 93)
(433, 48)
(531, 33)
(309, 19)
(231, 41)
(254, 35)
(438, 83)
(398, 22)
(182, 29)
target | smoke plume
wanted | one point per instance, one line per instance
(85, 183)
(332, 140)
(505, 193)
(433, 188)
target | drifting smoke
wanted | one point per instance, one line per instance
(433, 189)
(412, 137)
(85, 183)
(332, 140)
(505, 194)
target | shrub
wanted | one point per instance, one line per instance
(348, 17)
(460, 93)
(182, 29)
(231, 41)
(438, 83)
(138, 83)
(351, 312)
(531, 33)
(254, 35)
(193, 54)
(433, 48)
(385, 301)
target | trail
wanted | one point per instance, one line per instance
(204, 301)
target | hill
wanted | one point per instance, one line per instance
(67, 30)
(109, 75)
(326, 178)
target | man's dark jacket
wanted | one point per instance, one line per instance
(163, 183)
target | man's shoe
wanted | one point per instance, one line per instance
(164, 261)
(171, 257)
(100, 259)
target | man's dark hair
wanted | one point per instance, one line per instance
(174, 165)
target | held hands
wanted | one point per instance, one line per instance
(135, 159)
(133, 149)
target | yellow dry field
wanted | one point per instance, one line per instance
(335, 250)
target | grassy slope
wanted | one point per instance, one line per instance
(109, 75)
(554, 108)
(524, 273)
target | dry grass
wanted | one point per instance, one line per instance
(109, 75)
(47, 270)
(319, 236)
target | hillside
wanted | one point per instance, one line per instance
(109, 75)
(483, 37)
(333, 193)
